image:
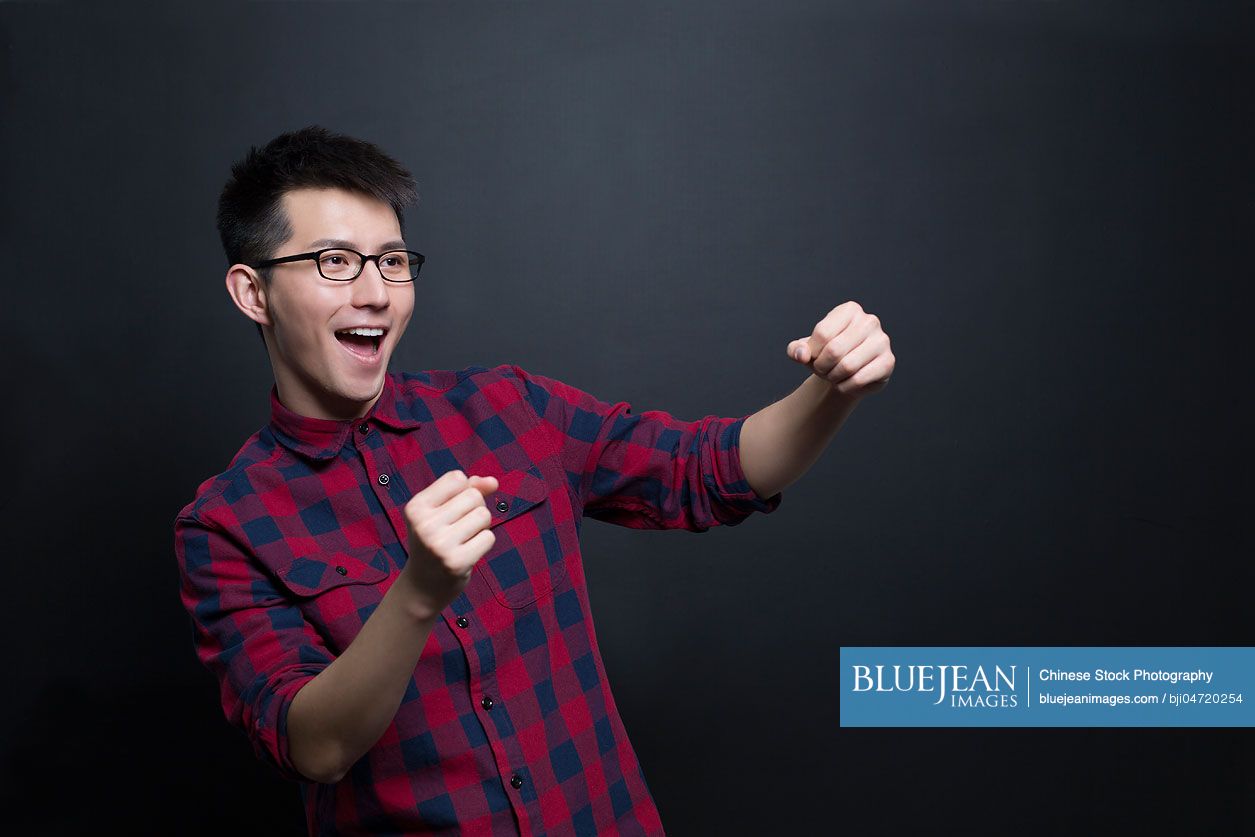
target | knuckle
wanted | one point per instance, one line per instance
(425, 529)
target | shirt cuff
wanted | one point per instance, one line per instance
(270, 735)
(733, 489)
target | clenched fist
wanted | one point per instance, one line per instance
(849, 349)
(448, 525)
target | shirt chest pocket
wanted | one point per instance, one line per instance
(336, 589)
(525, 562)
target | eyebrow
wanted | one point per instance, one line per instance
(395, 244)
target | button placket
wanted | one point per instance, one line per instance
(379, 469)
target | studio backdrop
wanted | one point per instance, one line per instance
(1048, 205)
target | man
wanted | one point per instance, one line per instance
(387, 580)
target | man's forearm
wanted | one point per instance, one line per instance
(340, 714)
(780, 442)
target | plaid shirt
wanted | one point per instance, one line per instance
(508, 726)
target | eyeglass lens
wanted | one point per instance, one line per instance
(397, 265)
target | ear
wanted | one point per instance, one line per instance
(248, 292)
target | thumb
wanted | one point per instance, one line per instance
(486, 485)
(800, 350)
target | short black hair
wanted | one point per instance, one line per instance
(251, 220)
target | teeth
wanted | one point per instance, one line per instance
(364, 332)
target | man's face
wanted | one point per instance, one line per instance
(318, 374)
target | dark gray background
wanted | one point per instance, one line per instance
(1048, 204)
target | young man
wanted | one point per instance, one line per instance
(386, 581)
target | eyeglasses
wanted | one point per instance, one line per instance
(340, 264)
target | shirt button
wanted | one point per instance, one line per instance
(502, 505)
(486, 702)
(363, 428)
(463, 622)
(342, 571)
(516, 781)
(383, 479)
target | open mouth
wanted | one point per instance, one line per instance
(364, 347)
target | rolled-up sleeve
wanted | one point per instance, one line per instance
(253, 639)
(645, 470)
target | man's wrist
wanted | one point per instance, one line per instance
(827, 398)
(417, 606)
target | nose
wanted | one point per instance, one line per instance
(369, 288)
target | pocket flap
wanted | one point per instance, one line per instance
(312, 574)
(517, 491)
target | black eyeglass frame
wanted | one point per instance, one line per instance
(416, 259)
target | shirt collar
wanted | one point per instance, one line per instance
(320, 438)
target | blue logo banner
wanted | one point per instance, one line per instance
(1068, 686)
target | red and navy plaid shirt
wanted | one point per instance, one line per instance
(508, 726)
